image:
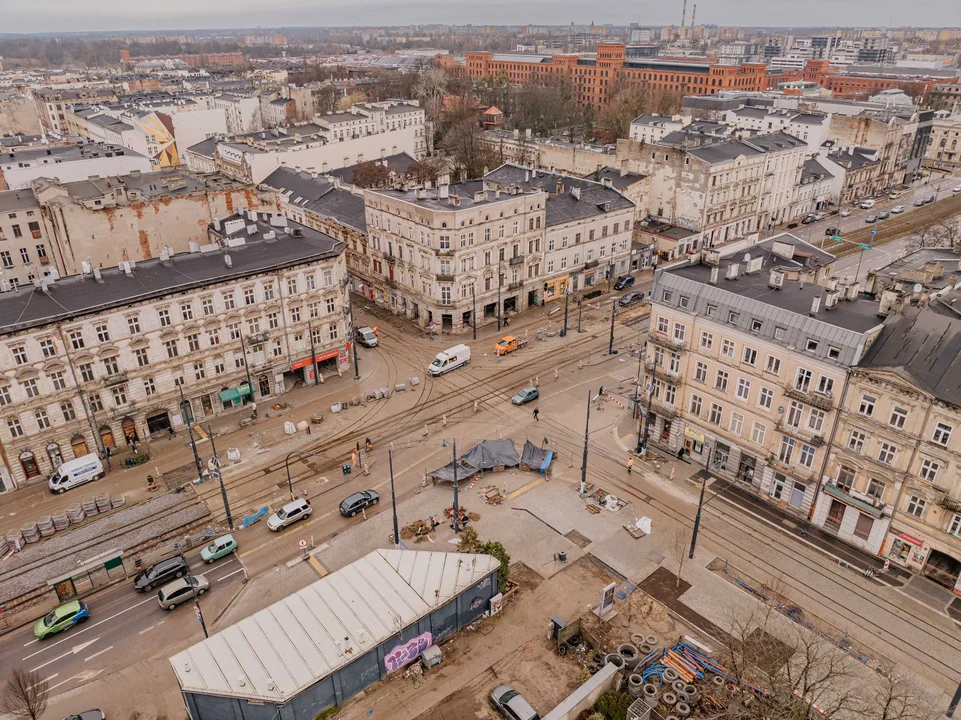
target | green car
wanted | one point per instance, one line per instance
(65, 616)
(218, 548)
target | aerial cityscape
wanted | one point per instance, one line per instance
(436, 361)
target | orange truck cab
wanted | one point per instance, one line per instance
(508, 344)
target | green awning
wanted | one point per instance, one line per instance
(235, 393)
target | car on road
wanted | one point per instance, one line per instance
(366, 336)
(919, 202)
(624, 281)
(353, 504)
(224, 545)
(511, 704)
(871, 219)
(928, 200)
(525, 395)
(290, 513)
(61, 618)
(808, 219)
(829, 231)
(818, 216)
(630, 299)
(897, 209)
(866, 204)
(957, 188)
(181, 590)
(845, 213)
(884, 215)
(161, 572)
(88, 715)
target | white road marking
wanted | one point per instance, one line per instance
(50, 678)
(99, 652)
(64, 682)
(31, 642)
(146, 630)
(90, 627)
(229, 574)
(73, 651)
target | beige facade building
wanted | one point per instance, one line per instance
(94, 361)
(944, 150)
(25, 253)
(53, 104)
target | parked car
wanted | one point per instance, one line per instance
(897, 209)
(929, 199)
(525, 395)
(353, 504)
(884, 215)
(624, 281)
(630, 299)
(871, 219)
(88, 715)
(366, 336)
(511, 704)
(61, 618)
(172, 594)
(957, 188)
(919, 202)
(818, 216)
(845, 213)
(290, 513)
(808, 219)
(161, 573)
(791, 226)
(866, 204)
(223, 545)
(509, 344)
(828, 232)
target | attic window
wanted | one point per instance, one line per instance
(812, 345)
(834, 353)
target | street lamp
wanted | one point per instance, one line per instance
(187, 414)
(700, 504)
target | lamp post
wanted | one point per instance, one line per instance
(567, 302)
(500, 310)
(313, 355)
(456, 504)
(306, 453)
(243, 349)
(610, 346)
(473, 305)
(353, 339)
(188, 416)
(220, 476)
(587, 427)
(393, 497)
(580, 310)
(700, 504)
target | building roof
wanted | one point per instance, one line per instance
(12, 200)
(64, 153)
(722, 152)
(753, 112)
(318, 195)
(854, 158)
(654, 120)
(78, 295)
(206, 148)
(923, 345)
(775, 142)
(399, 163)
(813, 170)
(296, 642)
(909, 268)
(617, 179)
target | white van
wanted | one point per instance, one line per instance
(867, 204)
(450, 359)
(76, 472)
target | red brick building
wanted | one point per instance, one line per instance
(849, 83)
(594, 77)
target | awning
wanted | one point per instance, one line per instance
(836, 492)
(911, 539)
(327, 355)
(235, 393)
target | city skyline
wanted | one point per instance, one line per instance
(52, 16)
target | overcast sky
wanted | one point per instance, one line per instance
(85, 15)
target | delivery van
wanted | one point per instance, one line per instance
(449, 359)
(76, 472)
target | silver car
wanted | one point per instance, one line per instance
(511, 704)
(181, 590)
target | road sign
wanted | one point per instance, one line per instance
(302, 544)
(197, 612)
(837, 238)
(865, 246)
(874, 232)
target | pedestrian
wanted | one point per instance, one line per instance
(630, 465)
(507, 321)
(368, 445)
(106, 450)
(172, 434)
(555, 373)
(133, 445)
(536, 413)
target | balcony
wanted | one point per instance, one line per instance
(390, 259)
(660, 407)
(445, 252)
(517, 260)
(663, 341)
(590, 264)
(516, 285)
(949, 503)
(798, 433)
(821, 402)
(872, 506)
(795, 471)
(115, 379)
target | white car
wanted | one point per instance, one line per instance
(818, 216)
(844, 213)
(293, 511)
(957, 188)
(867, 204)
(897, 209)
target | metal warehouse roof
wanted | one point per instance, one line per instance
(283, 649)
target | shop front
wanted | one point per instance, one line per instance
(327, 361)
(554, 288)
(232, 397)
(856, 520)
(906, 550)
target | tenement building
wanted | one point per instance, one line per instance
(99, 359)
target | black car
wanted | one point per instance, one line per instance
(161, 573)
(630, 298)
(352, 505)
(884, 215)
(929, 199)
(624, 281)
(831, 231)
(808, 220)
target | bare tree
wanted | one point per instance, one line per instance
(464, 143)
(430, 88)
(25, 695)
(898, 697)
(370, 174)
(677, 545)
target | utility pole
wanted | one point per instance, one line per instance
(642, 444)
(587, 427)
(313, 355)
(197, 612)
(610, 346)
(243, 349)
(580, 309)
(473, 305)
(220, 476)
(700, 504)
(500, 309)
(188, 417)
(353, 338)
(393, 497)
(456, 505)
(567, 302)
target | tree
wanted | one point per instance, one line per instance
(465, 144)
(25, 695)
(678, 547)
(423, 172)
(469, 541)
(345, 103)
(626, 103)
(370, 174)
(492, 547)
(325, 99)
(430, 88)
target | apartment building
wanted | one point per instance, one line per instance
(859, 168)
(891, 486)
(24, 246)
(653, 128)
(748, 379)
(810, 127)
(784, 157)
(944, 150)
(97, 359)
(53, 104)
(68, 163)
(816, 189)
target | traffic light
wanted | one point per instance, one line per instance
(601, 391)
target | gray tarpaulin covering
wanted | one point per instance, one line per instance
(536, 458)
(485, 456)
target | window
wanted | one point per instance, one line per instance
(773, 365)
(811, 346)
(684, 300)
(668, 296)
(732, 317)
(898, 416)
(86, 372)
(110, 365)
(13, 425)
(695, 405)
(756, 325)
(67, 410)
(765, 398)
(779, 487)
(856, 441)
(213, 336)
(786, 451)
(834, 353)
(916, 506)
(19, 354)
(955, 527)
(806, 458)
(164, 315)
(199, 372)
(867, 405)
(758, 433)
(825, 385)
(186, 311)
(172, 350)
(149, 387)
(929, 469)
(6, 259)
(133, 324)
(802, 381)
(700, 372)
(310, 280)
(207, 306)
(233, 330)
(332, 331)
(794, 414)
(30, 387)
(119, 395)
(711, 310)
(942, 433)
(816, 420)
(273, 321)
(229, 301)
(887, 453)
(720, 381)
(750, 356)
(331, 305)
(674, 363)
(875, 489)
(680, 331)
(707, 340)
(5, 396)
(219, 365)
(95, 402)
(715, 415)
(727, 348)
(193, 342)
(291, 286)
(248, 296)
(662, 325)
(737, 423)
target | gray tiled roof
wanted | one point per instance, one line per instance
(12, 200)
(319, 196)
(207, 148)
(722, 152)
(618, 181)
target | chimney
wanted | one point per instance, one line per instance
(575, 192)
(96, 275)
(732, 271)
(517, 134)
(831, 299)
(443, 191)
(527, 175)
(815, 305)
(891, 302)
(714, 274)
(527, 133)
(776, 280)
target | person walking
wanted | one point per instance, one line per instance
(630, 464)
(368, 445)
(537, 412)
(172, 434)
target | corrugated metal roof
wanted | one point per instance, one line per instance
(298, 641)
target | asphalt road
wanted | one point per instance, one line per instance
(124, 627)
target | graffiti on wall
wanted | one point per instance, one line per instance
(408, 652)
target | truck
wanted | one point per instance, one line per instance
(449, 359)
(509, 344)
(367, 336)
